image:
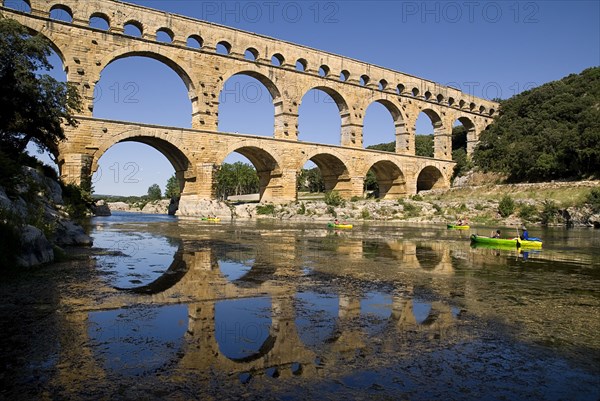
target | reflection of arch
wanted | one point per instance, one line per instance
(168, 279)
(266, 347)
(430, 178)
(428, 258)
(333, 170)
(256, 276)
(390, 179)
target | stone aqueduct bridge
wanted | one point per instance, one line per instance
(198, 152)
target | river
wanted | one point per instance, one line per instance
(169, 308)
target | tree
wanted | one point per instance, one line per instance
(33, 107)
(546, 133)
(172, 189)
(236, 179)
(154, 192)
(424, 145)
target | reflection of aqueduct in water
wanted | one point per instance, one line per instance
(287, 70)
(195, 279)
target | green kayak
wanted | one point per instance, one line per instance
(505, 242)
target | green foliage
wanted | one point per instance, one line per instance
(154, 192)
(385, 147)
(411, 210)
(549, 132)
(236, 179)
(506, 207)
(302, 209)
(78, 201)
(172, 189)
(33, 107)
(331, 211)
(527, 212)
(417, 197)
(424, 145)
(593, 199)
(310, 180)
(549, 211)
(463, 163)
(355, 199)
(333, 198)
(266, 209)
(365, 214)
(371, 183)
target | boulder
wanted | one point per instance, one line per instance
(35, 248)
(68, 233)
(101, 209)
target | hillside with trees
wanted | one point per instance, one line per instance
(547, 133)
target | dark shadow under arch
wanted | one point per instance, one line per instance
(430, 178)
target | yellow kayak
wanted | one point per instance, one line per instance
(215, 219)
(456, 227)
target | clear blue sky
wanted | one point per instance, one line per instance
(487, 48)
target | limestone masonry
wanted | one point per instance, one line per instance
(197, 153)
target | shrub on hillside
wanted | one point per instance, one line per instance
(333, 198)
(506, 207)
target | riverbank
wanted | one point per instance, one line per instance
(559, 203)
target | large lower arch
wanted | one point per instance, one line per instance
(391, 181)
(336, 176)
(430, 178)
(171, 150)
(268, 170)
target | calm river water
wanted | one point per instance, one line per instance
(180, 309)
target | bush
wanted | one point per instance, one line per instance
(365, 214)
(301, 209)
(411, 210)
(527, 212)
(593, 199)
(506, 207)
(549, 211)
(266, 209)
(417, 197)
(78, 201)
(333, 198)
(331, 211)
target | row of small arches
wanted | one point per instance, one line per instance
(134, 28)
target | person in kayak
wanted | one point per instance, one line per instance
(496, 234)
(525, 234)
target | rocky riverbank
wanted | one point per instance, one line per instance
(34, 221)
(533, 204)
